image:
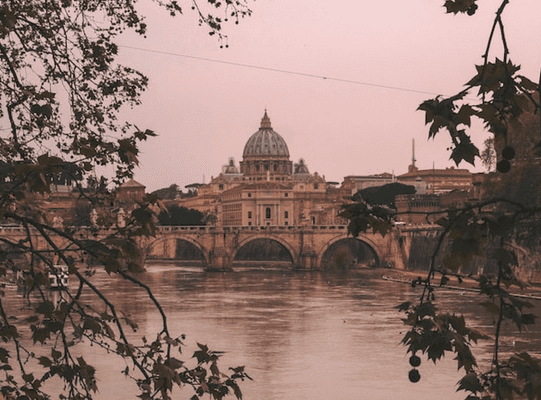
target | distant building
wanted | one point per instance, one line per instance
(268, 188)
(435, 190)
(354, 183)
(437, 181)
(130, 192)
(412, 208)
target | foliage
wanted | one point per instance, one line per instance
(61, 93)
(488, 229)
(502, 91)
(176, 215)
(384, 195)
(488, 155)
(169, 193)
(374, 208)
(363, 216)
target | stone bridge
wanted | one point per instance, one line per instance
(218, 246)
(306, 245)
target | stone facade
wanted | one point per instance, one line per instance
(437, 181)
(269, 189)
(354, 183)
(130, 192)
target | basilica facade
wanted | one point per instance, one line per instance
(268, 189)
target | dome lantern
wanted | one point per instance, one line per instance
(265, 121)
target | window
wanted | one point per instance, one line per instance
(268, 213)
(286, 214)
(286, 194)
(249, 194)
(249, 214)
(316, 185)
(221, 186)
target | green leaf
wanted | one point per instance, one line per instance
(45, 95)
(527, 84)
(56, 354)
(528, 319)
(464, 115)
(470, 383)
(46, 160)
(404, 306)
(45, 361)
(87, 151)
(381, 227)
(174, 363)
(214, 369)
(464, 150)
(46, 308)
(439, 344)
(40, 334)
(92, 325)
(491, 307)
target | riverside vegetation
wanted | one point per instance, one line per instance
(61, 94)
(503, 228)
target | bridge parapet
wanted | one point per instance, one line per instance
(425, 229)
(219, 245)
(305, 243)
(11, 229)
(185, 228)
(419, 227)
(272, 228)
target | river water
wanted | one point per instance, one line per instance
(301, 335)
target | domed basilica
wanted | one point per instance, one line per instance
(268, 189)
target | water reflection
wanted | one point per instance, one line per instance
(300, 335)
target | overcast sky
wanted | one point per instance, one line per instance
(378, 56)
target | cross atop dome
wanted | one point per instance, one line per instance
(265, 121)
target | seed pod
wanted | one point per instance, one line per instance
(508, 153)
(415, 361)
(414, 376)
(503, 166)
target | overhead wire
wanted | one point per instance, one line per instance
(283, 71)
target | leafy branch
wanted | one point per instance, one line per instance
(61, 96)
(504, 95)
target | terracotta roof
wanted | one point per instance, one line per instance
(131, 184)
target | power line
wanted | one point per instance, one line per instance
(283, 71)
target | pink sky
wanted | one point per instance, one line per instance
(360, 122)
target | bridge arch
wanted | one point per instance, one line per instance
(292, 253)
(170, 244)
(374, 248)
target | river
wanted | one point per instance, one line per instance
(301, 335)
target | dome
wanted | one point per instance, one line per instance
(231, 168)
(301, 168)
(265, 142)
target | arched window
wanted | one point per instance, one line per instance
(268, 213)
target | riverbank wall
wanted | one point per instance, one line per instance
(419, 249)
